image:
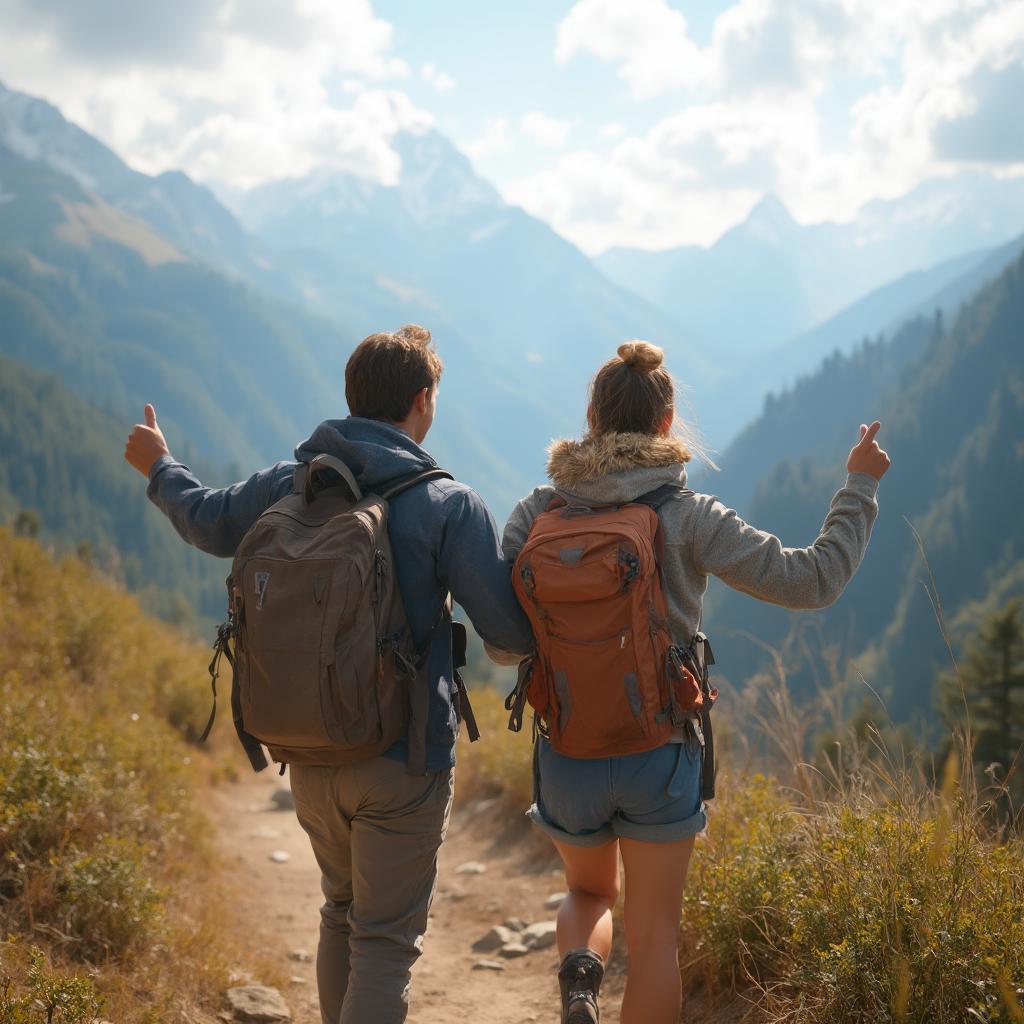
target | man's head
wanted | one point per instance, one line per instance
(393, 376)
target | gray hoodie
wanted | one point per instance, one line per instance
(702, 536)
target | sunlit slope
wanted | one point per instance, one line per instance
(953, 422)
(105, 862)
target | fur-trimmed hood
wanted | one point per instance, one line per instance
(616, 467)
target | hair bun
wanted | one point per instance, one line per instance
(641, 356)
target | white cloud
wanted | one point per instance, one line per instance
(613, 130)
(249, 91)
(440, 80)
(495, 138)
(646, 38)
(544, 130)
(827, 103)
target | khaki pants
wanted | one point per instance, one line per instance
(375, 831)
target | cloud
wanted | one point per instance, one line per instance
(240, 92)
(990, 131)
(112, 31)
(646, 38)
(597, 201)
(441, 81)
(544, 130)
(826, 103)
(495, 138)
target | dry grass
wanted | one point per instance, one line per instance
(107, 870)
(499, 765)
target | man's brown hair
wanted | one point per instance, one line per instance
(387, 370)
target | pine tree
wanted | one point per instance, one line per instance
(992, 677)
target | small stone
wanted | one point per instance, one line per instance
(452, 894)
(280, 856)
(282, 799)
(296, 979)
(300, 956)
(488, 965)
(497, 937)
(540, 935)
(258, 1004)
(555, 900)
(264, 832)
(478, 807)
(517, 924)
(511, 950)
(471, 867)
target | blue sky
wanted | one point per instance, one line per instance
(632, 122)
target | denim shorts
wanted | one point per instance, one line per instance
(654, 797)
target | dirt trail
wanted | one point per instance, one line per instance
(285, 897)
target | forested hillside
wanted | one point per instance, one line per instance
(60, 458)
(116, 310)
(953, 423)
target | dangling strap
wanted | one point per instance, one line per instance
(515, 702)
(463, 708)
(252, 746)
(221, 648)
(703, 658)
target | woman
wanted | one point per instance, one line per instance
(647, 806)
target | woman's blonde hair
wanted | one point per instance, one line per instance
(633, 393)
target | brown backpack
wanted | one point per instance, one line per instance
(606, 678)
(325, 667)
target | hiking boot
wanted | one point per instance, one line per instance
(580, 980)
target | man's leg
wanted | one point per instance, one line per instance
(396, 834)
(320, 810)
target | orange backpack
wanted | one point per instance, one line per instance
(606, 678)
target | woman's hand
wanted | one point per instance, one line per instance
(146, 443)
(866, 456)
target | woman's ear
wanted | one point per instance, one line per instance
(665, 426)
(590, 416)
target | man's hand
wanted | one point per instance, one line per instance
(866, 456)
(146, 443)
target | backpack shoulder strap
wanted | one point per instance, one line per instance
(404, 483)
(654, 500)
(660, 495)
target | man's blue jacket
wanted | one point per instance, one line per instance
(442, 536)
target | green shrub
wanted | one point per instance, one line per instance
(860, 910)
(107, 899)
(47, 997)
(103, 854)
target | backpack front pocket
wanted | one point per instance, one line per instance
(286, 611)
(598, 704)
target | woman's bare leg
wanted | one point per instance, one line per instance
(592, 878)
(655, 876)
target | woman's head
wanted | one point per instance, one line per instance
(632, 393)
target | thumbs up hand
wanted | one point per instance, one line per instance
(146, 443)
(866, 456)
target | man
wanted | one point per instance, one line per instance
(375, 828)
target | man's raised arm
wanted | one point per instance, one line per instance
(213, 520)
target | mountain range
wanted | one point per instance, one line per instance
(235, 312)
